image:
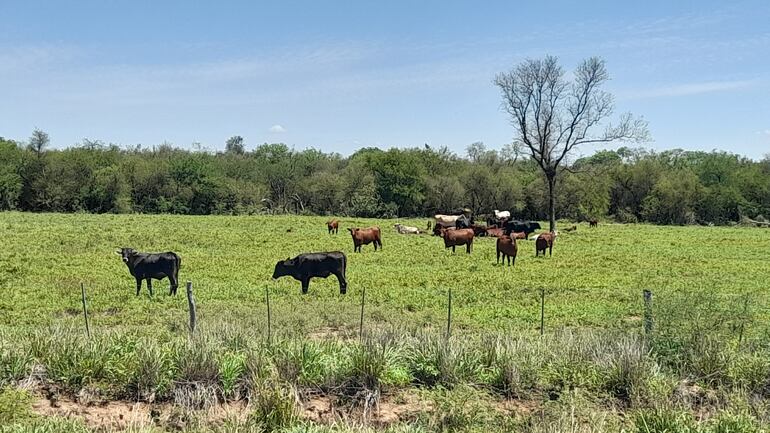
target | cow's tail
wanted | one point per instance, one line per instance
(177, 265)
(345, 266)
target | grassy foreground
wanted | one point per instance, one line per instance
(704, 368)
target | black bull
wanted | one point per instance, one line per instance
(309, 265)
(526, 227)
(146, 266)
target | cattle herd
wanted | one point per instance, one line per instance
(455, 230)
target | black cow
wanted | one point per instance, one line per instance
(309, 265)
(146, 266)
(464, 222)
(527, 227)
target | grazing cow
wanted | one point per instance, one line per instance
(146, 266)
(519, 235)
(506, 246)
(593, 223)
(333, 226)
(571, 229)
(527, 227)
(406, 230)
(365, 236)
(496, 232)
(306, 266)
(545, 241)
(502, 214)
(453, 238)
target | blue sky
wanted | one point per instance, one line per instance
(340, 75)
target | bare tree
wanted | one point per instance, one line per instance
(551, 116)
(38, 142)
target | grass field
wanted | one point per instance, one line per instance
(594, 278)
(705, 367)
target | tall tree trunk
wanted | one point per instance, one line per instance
(551, 177)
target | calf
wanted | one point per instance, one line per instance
(364, 237)
(507, 248)
(306, 266)
(146, 266)
(453, 238)
(544, 241)
(333, 226)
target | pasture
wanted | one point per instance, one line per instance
(594, 279)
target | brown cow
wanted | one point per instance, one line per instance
(506, 246)
(496, 232)
(453, 238)
(544, 241)
(519, 235)
(365, 237)
(333, 226)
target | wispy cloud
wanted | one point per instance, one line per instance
(277, 129)
(688, 89)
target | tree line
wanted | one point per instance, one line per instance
(627, 184)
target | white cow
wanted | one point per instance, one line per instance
(406, 230)
(446, 220)
(502, 214)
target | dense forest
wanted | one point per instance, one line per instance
(627, 184)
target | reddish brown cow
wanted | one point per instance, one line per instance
(365, 236)
(496, 232)
(544, 241)
(518, 235)
(453, 238)
(333, 226)
(506, 246)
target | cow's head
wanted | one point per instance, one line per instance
(125, 253)
(283, 268)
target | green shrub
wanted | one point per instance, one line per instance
(15, 405)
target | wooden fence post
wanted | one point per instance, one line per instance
(361, 323)
(542, 311)
(269, 319)
(449, 316)
(85, 310)
(647, 311)
(191, 307)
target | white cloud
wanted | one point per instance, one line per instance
(689, 89)
(277, 129)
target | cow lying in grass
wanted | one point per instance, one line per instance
(149, 266)
(406, 230)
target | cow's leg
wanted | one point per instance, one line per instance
(469, 247)
(138, 286)
(498, 257)
(343, 284)
(174, 284)
(453, 249)
(550, 250)
(305, 285)
(149, 285)
(513, 261)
